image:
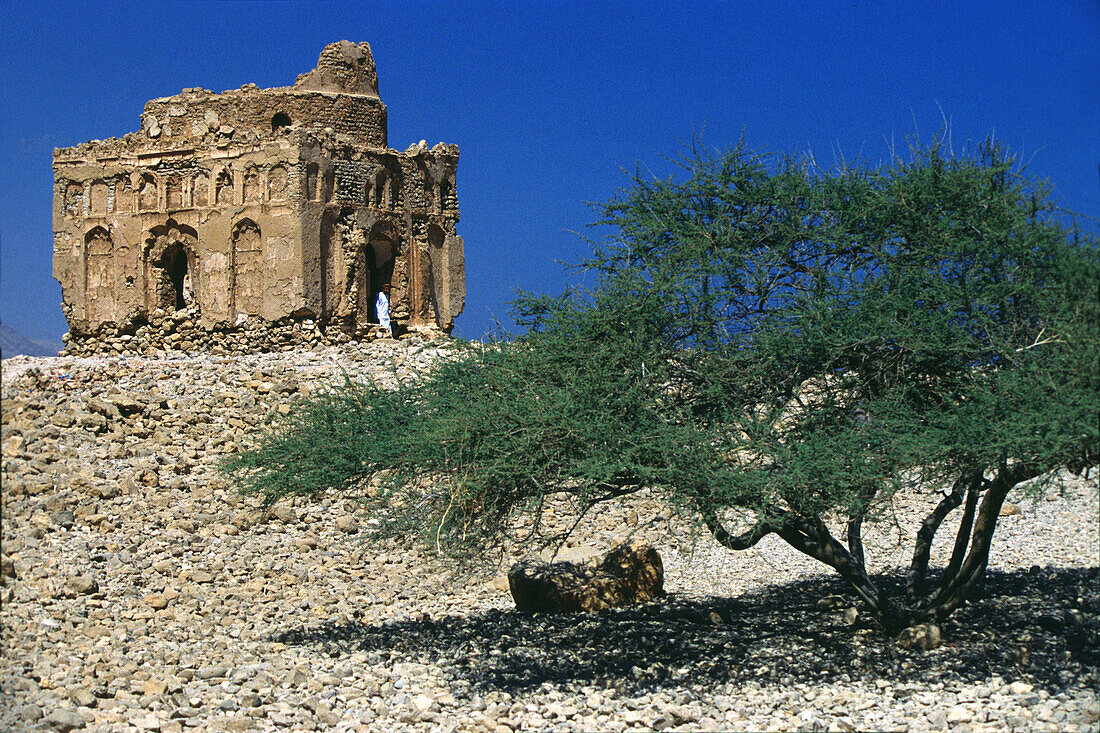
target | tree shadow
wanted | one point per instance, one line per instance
(1015, 627)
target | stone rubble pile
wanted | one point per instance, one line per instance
(140, 592)
(180, 331)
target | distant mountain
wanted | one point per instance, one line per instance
(13, 344)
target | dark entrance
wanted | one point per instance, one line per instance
(176, 268)
(378, 255)
(171, 267)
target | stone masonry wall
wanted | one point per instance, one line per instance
(195, 116)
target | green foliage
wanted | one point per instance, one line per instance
(934, 296)
(762, 335)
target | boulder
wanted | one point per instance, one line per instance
(630, 573)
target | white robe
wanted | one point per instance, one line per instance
(382, 310)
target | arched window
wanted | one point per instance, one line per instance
(99, 281)
(223, 193)
(173, 192)
(444, 195)
(381, 184)
(98, 200)
(201, 190)
(279, 121)
(276, 183)
(147, 193)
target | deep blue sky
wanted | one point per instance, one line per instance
(554, 103)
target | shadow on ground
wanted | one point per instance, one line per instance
(1013, 627)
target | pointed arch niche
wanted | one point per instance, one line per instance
(223, 187)
(247, 268)
(171, 267)
(99, 281)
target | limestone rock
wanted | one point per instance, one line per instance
(922, 636)
(64, 720)
(831, 603)
(347, 523)
(7, 567)
(83, 585)
(630, 573)
(156, 601)
(959, 714)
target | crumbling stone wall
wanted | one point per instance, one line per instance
(254, 209)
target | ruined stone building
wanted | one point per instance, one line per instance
(260, 206)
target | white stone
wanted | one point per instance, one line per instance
(959, 714)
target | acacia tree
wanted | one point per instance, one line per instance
(765, 341)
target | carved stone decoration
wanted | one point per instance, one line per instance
(247, 268)
(276, 183)
(223, 188)
(274, 204)
(147, 193)
(629, 574)
(74, 199)
(252, 190)
(200, 190)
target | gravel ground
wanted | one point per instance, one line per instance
(140, 592)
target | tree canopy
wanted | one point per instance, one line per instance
(762, 336)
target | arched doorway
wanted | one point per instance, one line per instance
(378, 256)
(171, 267)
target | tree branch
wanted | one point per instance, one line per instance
(922, 548)
(962, 537)
(743, 541)
(855, 525)
(814, 539)
(951, 595)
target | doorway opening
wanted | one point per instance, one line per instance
(179, 276)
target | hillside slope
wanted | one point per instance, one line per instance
(13, 343)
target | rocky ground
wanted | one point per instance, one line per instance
(141, 592)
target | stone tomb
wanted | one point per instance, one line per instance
(259, 207)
